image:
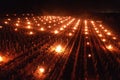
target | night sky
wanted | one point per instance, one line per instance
(59, 5)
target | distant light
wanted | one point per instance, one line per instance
(100, 35)
(1, 27)
(114, 38)
(89, 55)
(88, 43)
(108, 33)
(100, 25)
(103, 40)
(42, 29)
(30, 32)
(16, 29)
(110, 47)
(59, 49)
(56, 32)
(86, 33)
(17, 24)
(49, 26)
(6, 22)
(61, 28)
(28, 23)
(41, 70)
(38, 24)
(29, 27)
(70, 34)
(1, 58)
(105, 30)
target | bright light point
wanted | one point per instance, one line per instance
(1, 59)
(42, 29)
(15, 29)
(74, 28)
(103, 40)
(30, 32)
(100, 35)
(28, 26)
(86, 33)
(100, 25)
(105, 30)
(38, 24)
(59, 49)
(49, 26)
(17, 24)
(28, 23)
(89, 55)
(41, 70)
(6, 22)
(65, 26)
(1, 27)
(97, 31)
(56, 32)
(114, 38)
(108, 33)
(61, 29)
(88, 43)
(110, 47)
(70, 34)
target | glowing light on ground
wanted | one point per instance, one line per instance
(89, 55)
(1, 58)
(59, 49)
(56, 32)
(110, 47)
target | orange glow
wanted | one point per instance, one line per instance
(61, 29)
(38, 24)
(89, 55)
(100, 35)
(28, 23)
(1, 59)
(17, 24)
(86, 33)
(110, 47)
(56, 32)
(100, 25)
(6, 22)
(103, 40)
(59, 49)
(30, 32)
(108, 33)
(114, 38)
(29, 27)
(16, 29)
(41, 70)
(42, 29)
(105, 30)
(70, 34)
(88, 43)
(1, 27)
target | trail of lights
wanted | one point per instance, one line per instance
(57, 48)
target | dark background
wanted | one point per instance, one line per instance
(72, 6)
(106, 10)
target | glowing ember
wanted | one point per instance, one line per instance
(103, 40)
(110, 47)
(41, 70)
(89, 55)
(1, 59)
(58, 49)
(108, 33)
(56, 32)
(1, 27)
(42, 29)
(70, 34)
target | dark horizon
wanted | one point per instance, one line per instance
(70, 6)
